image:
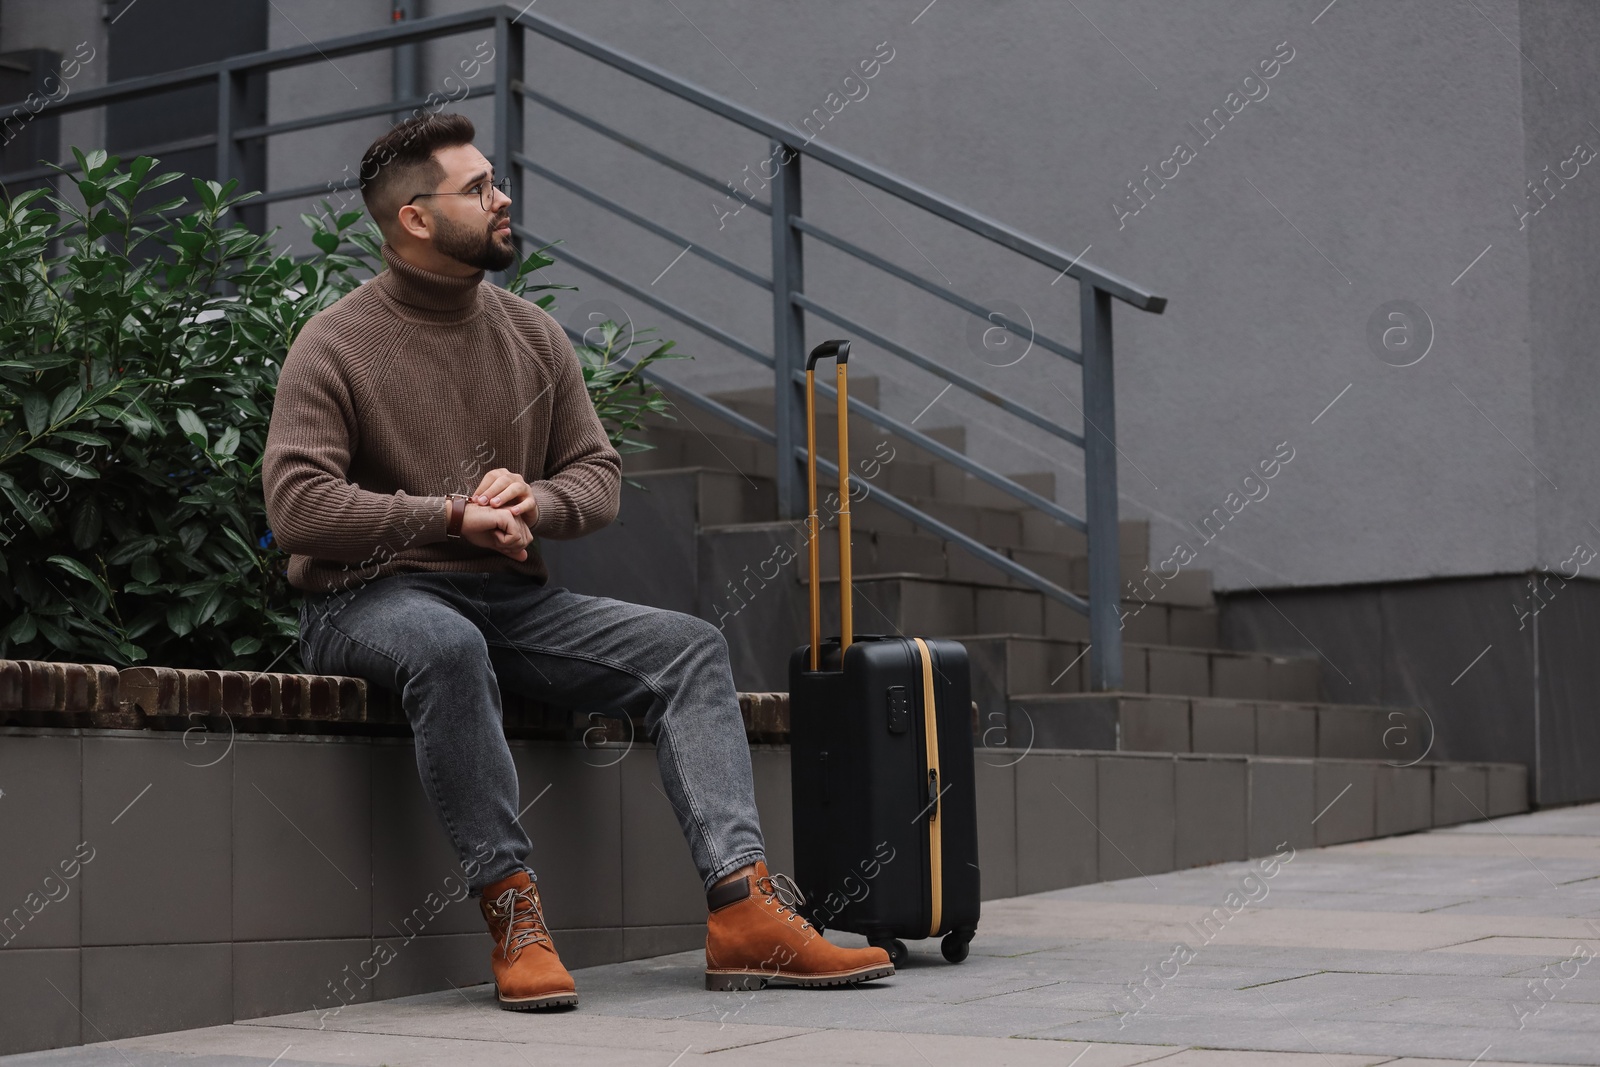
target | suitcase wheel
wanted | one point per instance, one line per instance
(955, 944)
(893, 946)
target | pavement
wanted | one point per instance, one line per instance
(1467, 946)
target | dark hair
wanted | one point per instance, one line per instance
(400, 163)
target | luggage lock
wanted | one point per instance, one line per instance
(899, 709)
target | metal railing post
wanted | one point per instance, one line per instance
(788, 332)
(230, 154)
(1100, 490)
(508, 109)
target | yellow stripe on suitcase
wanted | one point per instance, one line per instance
(930, 731)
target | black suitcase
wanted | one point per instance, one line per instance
(881, 761)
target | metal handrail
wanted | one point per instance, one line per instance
(622, 212)
(561, 252)
(971, 385)
(811, 229)
(639, 146)
(789, 303)
(850, 164)
(271, 59)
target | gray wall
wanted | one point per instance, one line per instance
(1384, 159)
(1564, 317)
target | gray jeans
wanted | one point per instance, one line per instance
(447, 643)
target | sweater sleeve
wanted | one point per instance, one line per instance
(580, 490)
(313, 507)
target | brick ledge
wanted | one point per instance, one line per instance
(94, 695)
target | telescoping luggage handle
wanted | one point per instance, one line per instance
(839, 351)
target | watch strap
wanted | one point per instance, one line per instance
(458, 514)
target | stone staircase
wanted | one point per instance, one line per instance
(698, 533)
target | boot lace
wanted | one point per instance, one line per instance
(785, 896)
(524, 925)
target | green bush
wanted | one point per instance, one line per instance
(140, 344)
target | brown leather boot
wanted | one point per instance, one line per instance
(754, 936)
(528, 974)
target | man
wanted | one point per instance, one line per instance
(428, 426)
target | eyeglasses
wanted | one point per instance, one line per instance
(482, 191)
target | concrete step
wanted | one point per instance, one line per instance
(1005, 665)
(909, 477)
(720, 497)
(1142, 722)
(953, 483)
(875, 551)
(939, 607)
(1088, 816)
(758, 407)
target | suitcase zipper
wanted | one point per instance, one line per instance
(930, 732)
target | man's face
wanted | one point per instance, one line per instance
(462, 228)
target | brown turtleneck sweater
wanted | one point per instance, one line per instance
(412, 386)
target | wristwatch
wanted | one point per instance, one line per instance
(458, 512)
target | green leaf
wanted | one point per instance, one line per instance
(208, 607)
(73, 567)
(35, 411)
(191, 535)
(192, 427)
(249, 549)
(228, 443)
(245, 646)
(91, 192)
(180, 617)
(207, 191)
(162, 179)
(78, 437)
(328, 242)
(29, 505)
(54, 634)
(65, 404)
(145, 569)
(166, 205)
(86, 524)
(65, 464)
(132, 549)
(22, 629)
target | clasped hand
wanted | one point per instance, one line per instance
(495, 511)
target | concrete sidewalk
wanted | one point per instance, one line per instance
(1467, 946)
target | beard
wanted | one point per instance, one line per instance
(480, 248)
